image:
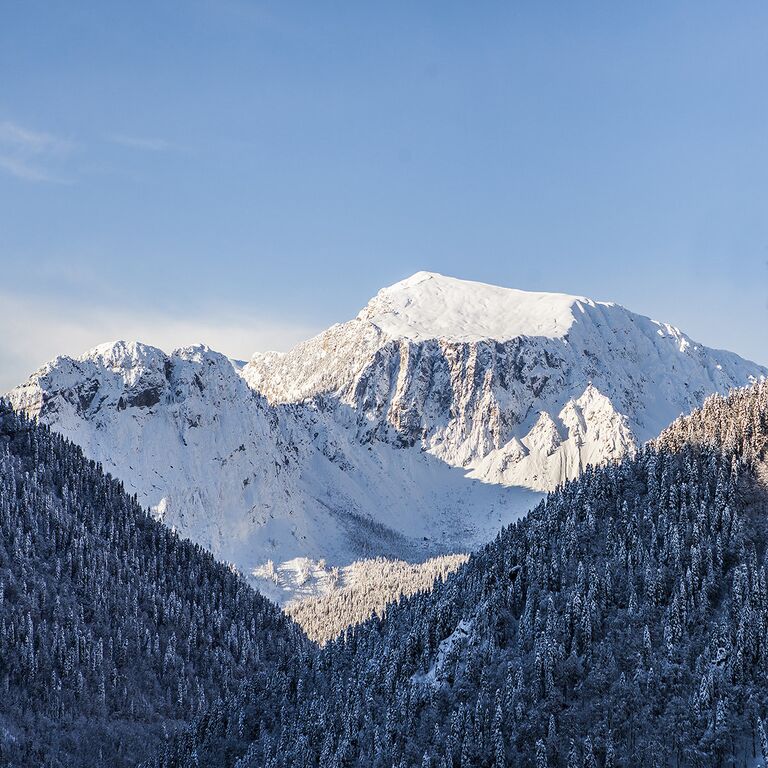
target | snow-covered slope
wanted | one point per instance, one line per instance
(253, 482)
(514, 387)
(418, 428)
(431, 306)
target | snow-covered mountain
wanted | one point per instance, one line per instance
(276, 490)
(419, 427)
(515, 387)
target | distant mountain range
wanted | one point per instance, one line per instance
(421, 427)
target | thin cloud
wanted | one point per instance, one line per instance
(36, 142)
(141, 142)
(20, 169)
(34, 330)
(26, 154)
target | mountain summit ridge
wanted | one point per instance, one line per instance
(428, 305)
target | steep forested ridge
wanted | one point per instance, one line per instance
(737, 422)
(113, 631)
(624, 622)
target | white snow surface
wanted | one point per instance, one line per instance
(451, 646)
(432, 306)
(437, 415)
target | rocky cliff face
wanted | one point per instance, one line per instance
(420, 427)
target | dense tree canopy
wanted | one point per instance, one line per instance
(112, 630)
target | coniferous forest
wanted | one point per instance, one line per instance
(112, 630)
(623, 622)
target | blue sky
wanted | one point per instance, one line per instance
(247, 173)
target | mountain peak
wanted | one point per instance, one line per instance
(429, 305)
(122, 353)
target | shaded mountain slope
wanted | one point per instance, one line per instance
(622, 623)
(112, 631)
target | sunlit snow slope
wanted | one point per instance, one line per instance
(399, 433)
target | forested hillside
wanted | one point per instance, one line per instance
(624, 622)
(735, 422)
(112, 630)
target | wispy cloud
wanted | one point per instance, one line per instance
(141, 142)
(26, 154)
(35, 329)
(23, 170)
(35, 142)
